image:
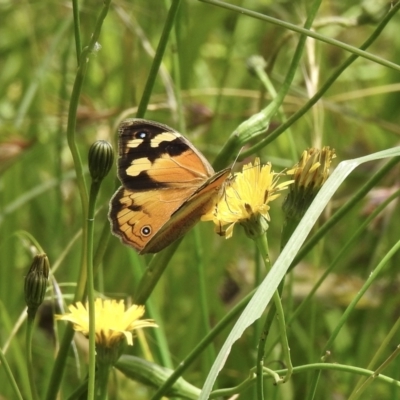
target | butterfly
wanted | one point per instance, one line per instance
(167, 185)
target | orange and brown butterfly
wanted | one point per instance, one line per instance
(167, 185)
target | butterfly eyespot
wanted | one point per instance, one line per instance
(142, 135)
(146, 230)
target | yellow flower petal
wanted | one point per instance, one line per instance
(246, 197)
(112, 321)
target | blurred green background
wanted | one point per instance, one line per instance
(205, 66)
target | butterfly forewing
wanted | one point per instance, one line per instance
(156, 156)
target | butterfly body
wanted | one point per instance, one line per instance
(167, 185)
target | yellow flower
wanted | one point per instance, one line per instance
(245, 200)
(112, 322)
(309, 174)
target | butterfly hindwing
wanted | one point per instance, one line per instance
(136, 217)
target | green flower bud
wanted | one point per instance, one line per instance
(101, 158)
(36, 282)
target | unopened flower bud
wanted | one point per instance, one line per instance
(36, 282)
(101, 158)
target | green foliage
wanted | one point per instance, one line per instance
(54, 103)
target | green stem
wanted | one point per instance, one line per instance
(270, 319)
(102, 379)
(177, 76)
(205, 314)
(229, 392)
(94, 190)
(378, 355)
(289, 226)
(29, 334)
(73, 105)
(101, 247)
(169, 23)
(356, 394)
(77, 25)
(30, 238)
(262, 245)
(259, 69)
(224, 73)
(260, 366)
(258, 330)
(59, 364)
(10, 376)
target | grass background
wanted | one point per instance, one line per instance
(205, 90)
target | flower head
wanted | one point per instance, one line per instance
(309, 174)
(112, 321)
(246, 200)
